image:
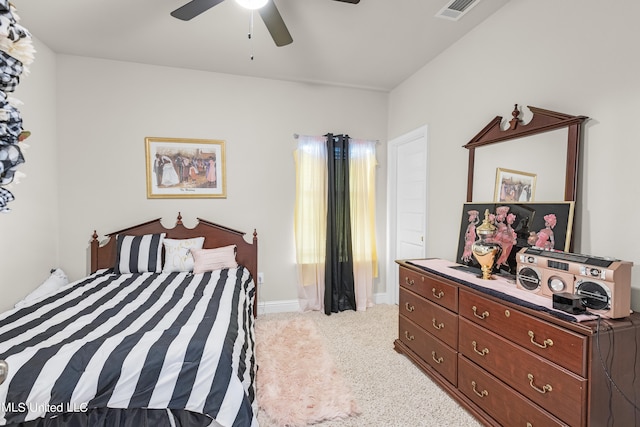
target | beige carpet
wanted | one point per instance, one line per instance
(388, 389)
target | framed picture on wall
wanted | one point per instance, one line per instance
(514, 186)
(185, 168)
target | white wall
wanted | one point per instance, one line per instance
(85, 168)
(573, 56)
(29, 233)
(106, 109)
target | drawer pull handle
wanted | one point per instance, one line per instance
(438, 295)
(529, 425)
(482, 393)
(408, 281)
(438, 360)
(545, 388)
(484, 315)
(546, 343)
(438, 326)
(482, 352)
(409, 307)
(409, 337)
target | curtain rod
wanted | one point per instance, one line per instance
(296, 136)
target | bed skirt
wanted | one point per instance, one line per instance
(115, 417)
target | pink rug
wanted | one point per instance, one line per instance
(298, 383)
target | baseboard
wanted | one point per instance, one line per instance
(287, 306)
(382, 298)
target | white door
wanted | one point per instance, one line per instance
(407, 198)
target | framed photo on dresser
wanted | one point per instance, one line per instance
(185, 168)
(518, 225)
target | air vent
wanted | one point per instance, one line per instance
(456, 9)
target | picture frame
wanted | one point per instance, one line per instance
(185, 168)
(514, 186)
(547, 225)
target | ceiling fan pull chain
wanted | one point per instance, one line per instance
(250, 35)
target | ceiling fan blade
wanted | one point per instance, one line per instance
(275, 24)
(194, 8)
(349, 1)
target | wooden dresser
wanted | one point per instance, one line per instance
(511, 365)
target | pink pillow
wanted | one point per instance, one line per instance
(214, 259)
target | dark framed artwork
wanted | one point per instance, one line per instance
(185, 168)
(518, 225)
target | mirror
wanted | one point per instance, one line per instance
(536, 155)
(547, 147)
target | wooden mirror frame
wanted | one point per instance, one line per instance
(542, 121)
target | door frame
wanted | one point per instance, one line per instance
(392, 181)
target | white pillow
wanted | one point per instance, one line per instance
(177, 254)
(55, 281)
(214, 259)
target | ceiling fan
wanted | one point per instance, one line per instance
(268, 12)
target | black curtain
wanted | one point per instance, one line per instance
(339, 294)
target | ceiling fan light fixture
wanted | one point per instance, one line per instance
(252, 4)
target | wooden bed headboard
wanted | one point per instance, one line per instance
(104, 256)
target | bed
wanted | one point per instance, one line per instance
(161, 332)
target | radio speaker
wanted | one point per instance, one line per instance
(603, 284)
(543, 281)
(609, 299)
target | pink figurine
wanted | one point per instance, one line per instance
(507, 239)
(546, 239)
(470, 235)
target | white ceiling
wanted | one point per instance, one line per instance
(375, 44)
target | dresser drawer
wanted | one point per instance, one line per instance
(552, 342)
(500, 401)
(438, 355)
(441, 293)
(434, 319)
(554, 388)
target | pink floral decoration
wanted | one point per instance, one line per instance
(550, 220)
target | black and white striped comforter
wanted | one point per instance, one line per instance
(178, 341)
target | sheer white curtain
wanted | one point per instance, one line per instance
(362, 183)
(310, 220)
